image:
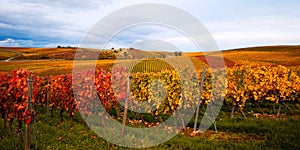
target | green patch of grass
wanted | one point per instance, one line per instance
(51, 134)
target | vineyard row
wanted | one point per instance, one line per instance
(162, 91)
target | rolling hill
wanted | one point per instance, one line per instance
(60, 60)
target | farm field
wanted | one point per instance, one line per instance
(268, 55)
(49, 67)
(260, 100)
(257, 56)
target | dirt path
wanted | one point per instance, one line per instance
(9, 59)
(18, 54)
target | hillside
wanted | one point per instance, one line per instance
(60, 60)
(68, 53)
(265, 55)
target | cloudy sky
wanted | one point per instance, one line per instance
(232, 23)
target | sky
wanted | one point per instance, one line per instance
(232, 23)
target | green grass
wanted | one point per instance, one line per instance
(274, 134)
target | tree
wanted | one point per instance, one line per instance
(125, 54)
(178, 53)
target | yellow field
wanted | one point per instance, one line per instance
(268, 55)
(49, 67)
(264, 58)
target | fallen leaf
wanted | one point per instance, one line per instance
(93, 136)
(61, 138)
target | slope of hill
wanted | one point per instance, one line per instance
(6, 53)
(52, 53)
(265, 55)
(60, 60)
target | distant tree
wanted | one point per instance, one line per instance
(178, 53)
(125, 54)
(58, 46)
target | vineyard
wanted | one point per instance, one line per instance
(170, 75)
(247, 88)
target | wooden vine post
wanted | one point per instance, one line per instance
(282, 102)
(28, 107)
(47, 96)
(126, 106)
(199, 98)
(213, 115)
(233, 102)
